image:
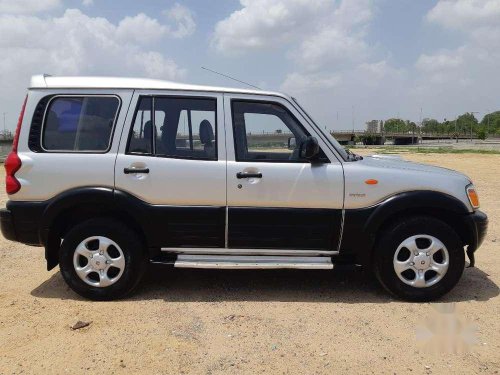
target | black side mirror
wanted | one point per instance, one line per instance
(309, 149)
(291, 143)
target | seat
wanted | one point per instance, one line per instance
(142, 144)
(207, 138)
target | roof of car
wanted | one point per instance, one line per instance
(43, 81)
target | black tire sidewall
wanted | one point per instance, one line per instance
(130, 244)
(395, 235)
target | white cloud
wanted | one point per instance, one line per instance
(262, 24)
(75, 43)
(300, 83)
(184, 19)
(141, 29)
(466, 76)
(27, 6)
(322, 37)
(463, 14)
(330, 46)
(443, 60)
(479, 23)
(88, 3)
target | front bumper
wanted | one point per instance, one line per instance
(479, 226)
(478, 222)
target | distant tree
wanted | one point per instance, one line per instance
(432, 126)
(411, 126)
(467, 123)
(395, 125)
(481, 133)
(491, 122)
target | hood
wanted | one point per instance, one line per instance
(396, 162)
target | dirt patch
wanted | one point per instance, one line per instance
(210, 322)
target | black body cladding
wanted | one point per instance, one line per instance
(285, 228)
(44, 223)
(362, 226)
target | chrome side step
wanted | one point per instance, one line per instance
(251, 262)
(231, 251)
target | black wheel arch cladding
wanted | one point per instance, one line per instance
(363, 226)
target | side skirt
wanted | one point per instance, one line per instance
(251, 262)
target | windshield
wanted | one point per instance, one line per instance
(341, 150)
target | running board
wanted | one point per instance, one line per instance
(251, 262)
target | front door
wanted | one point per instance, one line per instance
(172, 165)
(276, 200)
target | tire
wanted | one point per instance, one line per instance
(392, 250)
(123, 251)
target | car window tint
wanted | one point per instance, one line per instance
(266, 132)
(187, 128)
(141, 140)
(79, 123)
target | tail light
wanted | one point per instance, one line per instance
(13, 162)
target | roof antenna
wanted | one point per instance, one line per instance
(234, 79)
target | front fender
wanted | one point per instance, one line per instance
(362, 226)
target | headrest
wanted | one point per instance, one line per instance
(148, 129)
(206, 132)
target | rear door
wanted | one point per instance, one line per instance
(172, 161)
(276, 200)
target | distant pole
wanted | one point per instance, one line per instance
(353, 119)
(456, 128)
(488, 122)
(472, 113)
(4, 129)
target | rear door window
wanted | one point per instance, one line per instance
(185, 128)
(80, 123)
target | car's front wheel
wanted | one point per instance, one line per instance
(102, 259)
(419, 259)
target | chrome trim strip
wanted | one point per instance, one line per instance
(259, 252)
(251, 262)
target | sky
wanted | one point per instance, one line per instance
(346, 61)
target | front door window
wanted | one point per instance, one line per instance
(266, 132)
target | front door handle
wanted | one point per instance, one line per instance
(248, 175)
(135, 170)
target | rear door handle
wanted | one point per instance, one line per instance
(248, 175)
(135, 170)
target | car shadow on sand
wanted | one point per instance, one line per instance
(344, 284)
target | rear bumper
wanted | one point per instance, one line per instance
(20, 222)
(478, 222)
(7, 225)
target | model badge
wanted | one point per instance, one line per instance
(357, 195)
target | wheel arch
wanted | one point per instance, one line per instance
(75, 206)
(374, 220)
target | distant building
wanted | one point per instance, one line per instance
(373, 126)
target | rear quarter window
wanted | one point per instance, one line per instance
(79, 123)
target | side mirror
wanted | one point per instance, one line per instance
(309, 149)
(292, 143)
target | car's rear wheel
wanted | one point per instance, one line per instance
(419, 259)
(102, 259)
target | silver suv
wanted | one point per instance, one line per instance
(109, 174)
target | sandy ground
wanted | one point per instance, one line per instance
(210, 322)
